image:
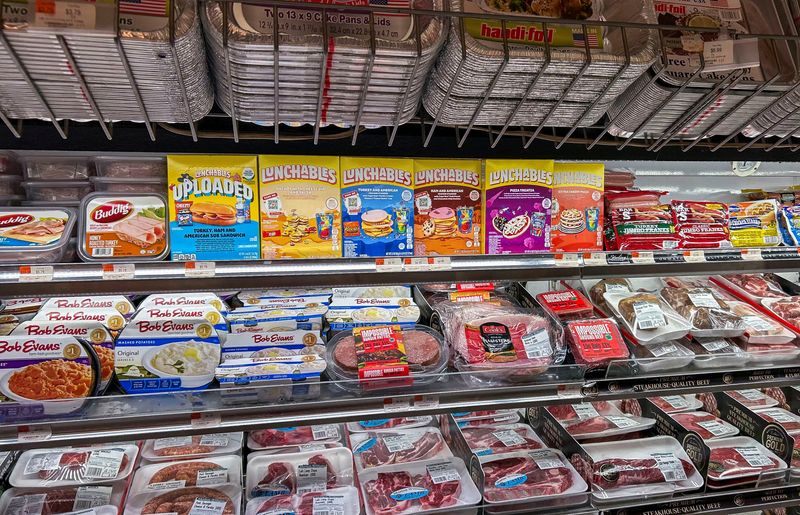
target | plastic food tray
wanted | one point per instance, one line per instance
(722, 473)
(131, 167)
(57, 190)
(228, 470)
(513, 436)
(9, 184)
(716, 427)
(102, 495)
(54, 468)
(340, 460)
(669, 355)
(753, 399)
(183, 447)
(124, 185)
(136, 503)
(345, 496)
(676, 327)
(294, 436)
(52, 252)
(401, 446)
(56, 168)
(717, 353)
(391, 424)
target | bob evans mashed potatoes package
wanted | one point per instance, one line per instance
(447, 207)
(202, 312)
(213, 207)
(253, 372)
(249, 320)
(377, 207)
(166, 355)
(301, 214)
(268, 344)
(519, 197)
(173, 300)
(109, 318)
(117, 302)
(577, 210)
(347, 313)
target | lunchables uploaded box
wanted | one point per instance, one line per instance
(211, 211)
(377, 207)
(577, 210)
(447, 207)
(518, 202)
(301, 214)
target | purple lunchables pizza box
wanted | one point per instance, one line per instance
(519, 194)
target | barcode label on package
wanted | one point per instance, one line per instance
(751, 395)
(176, 441)
(546, 459)
(648, 315)
(104, 463)
(537, 344)
(585, 411)
(670, 467)
(754, 457)
(303, 447)
(780, 416)
(757, 323)
(714, 427)
(207, 507)
(215, 440)
(43, 461)
(312, 478)
(88, 497)
(663, 349)
(398, 443)
(676, 401)
(328, 505)
(509, 438)
(622, 422)
(326, 432)
(26, 504)
(714, 345)
(442, 473)
(703, 299)
(166, 485)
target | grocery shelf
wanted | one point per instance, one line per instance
(73, 278)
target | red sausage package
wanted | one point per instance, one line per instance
(566, 304)
(595, 342)
(701, 225)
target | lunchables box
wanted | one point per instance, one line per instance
(447, 207)
(300, 201)
(377, 207)
(211, 211)
(519, 198)
(577, 209)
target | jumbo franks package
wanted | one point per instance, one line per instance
(518, 199)
(447, 207)
(211, 216)
(301, 214)
(377, 207)
(577, 210)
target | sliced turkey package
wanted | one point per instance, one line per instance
(501, 439)
(301, 473)
(293, 436)
(337, 501)
(539, 475)
(644, 467)
(500, 344)
(416, 487)
(375, 449)
(585, 421)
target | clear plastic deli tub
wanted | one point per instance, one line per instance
(34, 235)
(57, 191)
(122, 185)
(9, 184)
(131, 167)
(56, 168)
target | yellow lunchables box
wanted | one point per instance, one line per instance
(210, 214)
(301, 214)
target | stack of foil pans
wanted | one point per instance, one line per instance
(573, 88)
(51, 59)
(673, 103)
(355, 76)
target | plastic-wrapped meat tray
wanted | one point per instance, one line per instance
(753, 287)
(185, 447)
(340, 500)
(787, 309)
(739, 457)
(760, 328)
(211, 471)
(481, 414)
(296, 435)
(704, 308)
(290, 474)
(705, 424)
(717, 353)
(753, 399)
(56, 168)
(637, 468)
(583, 411)
(509, 418)
(62, 500)
(226, 498)
(501, 439)
(540, 474)
(57, 191)
(770, 354)
(646, 317)
(75, 466)
(417, 487)
(786, 419)
(131, 167)
(607, 426)
(389, 423)
(375, 449)
(658, 357)
(677, 403)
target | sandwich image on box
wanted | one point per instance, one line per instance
(213, 207)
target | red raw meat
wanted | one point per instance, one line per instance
(306, 504)
(621, 472)
(758, 285)
(276, 503)
(427, 446)
(761, 402)
(481, 438)
(538, 482)
(279, 475)
(392, 423)
(727, 463)
(318, 459)
(781, 418)
(788, 309)
(691, 421)
(378, 492)
(72, 467)
(565, 412)
(282, 437)
(439, 496)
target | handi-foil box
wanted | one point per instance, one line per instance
(213, 207)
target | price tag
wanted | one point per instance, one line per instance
(34, 434)
(212, 477)
(714, 345)
(509, 438)
(751, 395)
(206, 420)
(594, 259)
(72, 15)
(167, 485)
(440, 263)
(35, 274)
(694, 256)
(388, 265)
(312, 478)
(391, 404)
(442, 473)
(714, 427)
(670, 467)
(325, 432)
(199, 269)
(622, 422)
(44, 461)
(567, 260)
(643, 258)
(753, 457)
(104, 464)
(415, 264)
(328, 505)
(398, 443)
(218, 440)
(426, 401)
(751, 254)
(118, 271)
(207, 507)
(663, 349)
(546, 459)
(719, 54)
(585, 411)
(175, 441)
(303, 447)
(569, 391)
(537, 344)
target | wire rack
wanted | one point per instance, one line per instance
(749, 98)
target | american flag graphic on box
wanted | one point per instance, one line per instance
(150, 7)
(578, 38)
(394, 4)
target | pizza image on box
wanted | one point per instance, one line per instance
(516, 227)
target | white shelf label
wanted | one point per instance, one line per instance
(34, 434)
(391, 404)
(594, 259)
(72, 15)
(440, 263)
(567, 260)
(199, 269)
(751, 255)
(388, 265)
(694, 256)
(206, 420)
(416, 264)
(118, 271)
(643, 258)
(426, 401)
(35, 274)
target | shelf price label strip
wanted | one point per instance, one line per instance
(118, 271)
(35, 273)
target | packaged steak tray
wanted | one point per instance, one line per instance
(55, 468)
(223, 499)
(341, 500)
(197, 446)
(537, 475)
(610, 285)
(297, 474)
(739, 457)
(769, 354)
(637, 468)
(379, 424)
(786, 419)
(595, 342)
(564, 305)
(501, 439)
(63, 500)
(482, 414)
(706, 310)
(753, 399)
(569, 413)
(647, 317)
(677, 403)
(717, 353)
(754, 287)
(760, 328)
(417, 487)
(606, 426)
(705, 424)
(665, 356)
(424, 354)
(378, 448)
(500, 344)
(508, 418)
(787, 309)
(295, 435)
(215, 470)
